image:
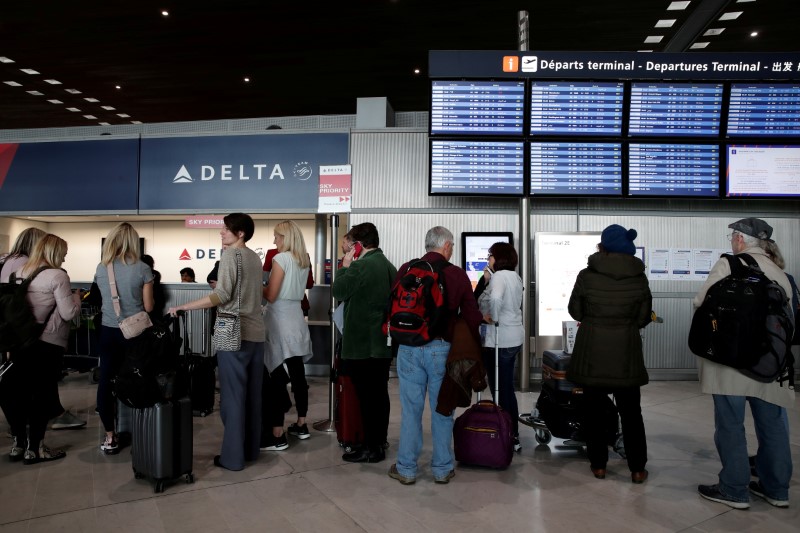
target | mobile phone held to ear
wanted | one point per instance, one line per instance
(357, 249)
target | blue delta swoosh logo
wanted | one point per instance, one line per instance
(182, 176)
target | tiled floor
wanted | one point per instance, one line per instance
(309, 488)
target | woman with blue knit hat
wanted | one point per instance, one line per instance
(612, 301)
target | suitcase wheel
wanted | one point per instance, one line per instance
(138, 475)
(159, 486)
(189, 478)
(542, 436)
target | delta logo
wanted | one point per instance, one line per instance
(301, 171)
(200, 253)
(185, 256)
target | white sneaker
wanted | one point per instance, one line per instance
(67, 421)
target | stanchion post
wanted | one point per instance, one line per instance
(329, 425)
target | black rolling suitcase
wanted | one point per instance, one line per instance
(202, 375)
(161, 447)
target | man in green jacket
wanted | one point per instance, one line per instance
(363, 284)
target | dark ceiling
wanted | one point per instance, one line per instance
(310, 58)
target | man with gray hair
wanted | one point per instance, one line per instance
(422, 368)
(731, 390)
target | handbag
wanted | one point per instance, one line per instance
(134, 325)
(227, 326)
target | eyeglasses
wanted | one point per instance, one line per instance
(731, 235)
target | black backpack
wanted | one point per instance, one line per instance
(18, 327)
(417, 309)
(746, 322)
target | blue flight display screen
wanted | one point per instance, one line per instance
(576, 108)
(673, 170)
(764, 110)
(576, 169)
(477, 107)
(477, 167)
(666, 110)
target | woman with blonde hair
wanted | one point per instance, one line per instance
(19, 253)
(134, 283)
(288, 344)
(38, 367)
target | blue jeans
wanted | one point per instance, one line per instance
(773, 460)
(508, 399)
(420, 368)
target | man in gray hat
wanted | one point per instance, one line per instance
(731, 390)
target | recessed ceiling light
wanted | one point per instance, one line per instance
(247, 80)
(73, 109)
(108, 108)
(73, 91)
(753, 34)
(136, 121)
(35, 93)
(13, 83)
(665, 23)
(416, 71)
(29, 71)
(92, 100)
(104, 123)
(165, 13)
(53, 82)
(654, 38)
(55, 101)
(90, 117)
(733, 15)
(123, 115)
(117, 87)
(678, 6)
(699, 45)
(713, 31)
(4, 59)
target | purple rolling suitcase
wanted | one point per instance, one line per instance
(161, 447)
(482, 435)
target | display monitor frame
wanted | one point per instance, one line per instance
(675, 134)
(614, 132)
(591, 142)
(675, 142)
(762, 134)
(474, 246)
(477, 191)
(790, 172)
(478, 132)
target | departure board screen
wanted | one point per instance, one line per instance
(673, 170)
(477, 107)
(754, 171)
(576, 169)
(764, 110)
(477, 167)
(666, 109)
(576, 108)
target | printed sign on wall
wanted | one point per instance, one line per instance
(335, 189)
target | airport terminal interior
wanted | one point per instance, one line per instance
(309, 488)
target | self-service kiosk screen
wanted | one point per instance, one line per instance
(576, 108)
(673, 170)
(576, 169)
(764, 110)
(477, 107)
(672, 109)
(480, 167)
(763, 171)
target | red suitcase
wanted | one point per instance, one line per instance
(347, 412)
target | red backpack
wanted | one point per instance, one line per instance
(417, 311)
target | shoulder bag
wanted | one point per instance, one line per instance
(228, 326)
(134, 325)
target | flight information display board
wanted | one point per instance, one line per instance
(671, 109)
(673, 170)
(763, 171)
(576, 108)
(762, 110)
(576, 169)
(477, 167)
(477, 107)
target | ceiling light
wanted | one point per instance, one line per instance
(92, 100)
(29, 71)
(753, 34)
(695, 46)
(123, 115)
(136, 121)
(53, 82)
(118, 87)
(90, 117)
(35, 93)
(165, 13)
(73, 109)
(416, 71)
(644, 50)
(55, 101)
(13, 83)
(108, 108)
(665, 23)
(744, 1)
(4, 59)
(678, 6)
(733, 15)
(104, 123)
(73, 91)
(654, 38)
(247, 80)
(713, 31)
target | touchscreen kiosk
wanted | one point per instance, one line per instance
(475, 249)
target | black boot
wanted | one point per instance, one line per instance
(365, 455)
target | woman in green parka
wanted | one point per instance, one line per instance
(363, 284)
(612, 301)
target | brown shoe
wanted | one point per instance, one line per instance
(599, 473)
(639, 477)
(394, 474)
